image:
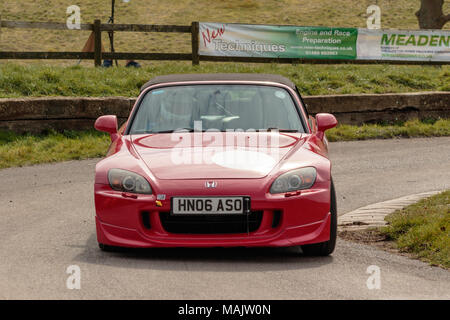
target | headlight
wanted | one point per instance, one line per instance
(299, 179)
(127, 181)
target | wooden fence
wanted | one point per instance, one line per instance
(97, 27)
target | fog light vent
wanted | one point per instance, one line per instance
(146, 220)
(276, 218)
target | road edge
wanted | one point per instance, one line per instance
(373, 215)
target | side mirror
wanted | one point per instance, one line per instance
(324, 121)
(107, 124)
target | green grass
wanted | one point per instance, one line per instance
(20, 150)
(18, 80)
(423, 229)
(408, 129)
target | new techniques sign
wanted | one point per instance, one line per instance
(239, 40)
(277, 41)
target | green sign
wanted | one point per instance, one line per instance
(245, 40)
(324, 43)
(277, 41)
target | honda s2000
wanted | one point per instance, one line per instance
(217, 160)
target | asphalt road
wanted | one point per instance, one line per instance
(47, 224)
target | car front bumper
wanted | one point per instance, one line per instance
(134, 221)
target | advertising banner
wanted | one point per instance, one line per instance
(244, 40)
(418, 45)
(222, 39)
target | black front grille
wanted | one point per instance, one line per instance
(210, 224)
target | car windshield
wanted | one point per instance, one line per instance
(216, 107)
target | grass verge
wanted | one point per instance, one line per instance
(37, 80)
(20, 150)
(423, 229)
(408, 129)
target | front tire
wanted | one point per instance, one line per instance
(327, 247)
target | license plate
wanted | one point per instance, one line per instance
(210, 205)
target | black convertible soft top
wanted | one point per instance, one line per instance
(220, 77)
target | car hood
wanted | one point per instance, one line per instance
(214, 155)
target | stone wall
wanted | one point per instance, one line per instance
(38, 114)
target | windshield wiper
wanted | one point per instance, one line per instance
(179, 130)
(277, 129)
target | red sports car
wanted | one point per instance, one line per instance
(217, 160)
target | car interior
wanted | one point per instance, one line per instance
(218, 107)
